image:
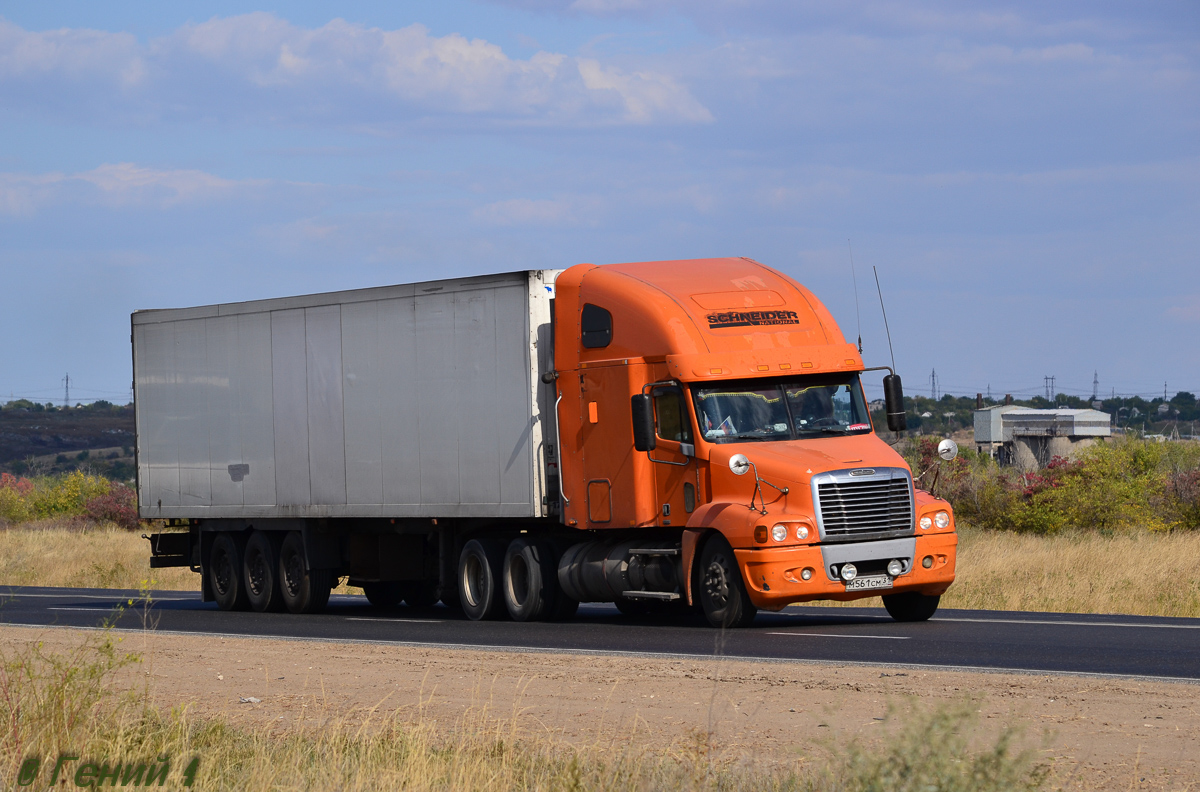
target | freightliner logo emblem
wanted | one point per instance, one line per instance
(751, 318)
(862, 472)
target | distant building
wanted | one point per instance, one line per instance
(1028, 439)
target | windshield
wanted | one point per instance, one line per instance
(817, 406)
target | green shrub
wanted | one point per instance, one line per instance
(1122, 484)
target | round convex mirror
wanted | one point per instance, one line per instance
(947, 449)
(739, 464)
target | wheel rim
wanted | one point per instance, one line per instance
(257, 569)
(716, 582)
(473, 581)
(293, 574)
(222, 573)
(518, 580)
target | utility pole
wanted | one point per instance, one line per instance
(1046, 383)
(933, 393)
(1095, 385)
(66, 390)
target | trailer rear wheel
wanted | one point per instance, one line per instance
(723, 596)
(304, 590)
(530, 580)
(261, 566)
(480, 568)
(225, 573)
(911, 606)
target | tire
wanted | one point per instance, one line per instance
(723, 597)
(383, 595)
(261, 573)
(530, 580)
(225, 572)
(419, 593)
(480, 571)
(911, 606)
(304, 590)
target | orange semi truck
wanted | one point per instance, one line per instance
(667, 436)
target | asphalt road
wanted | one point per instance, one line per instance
(1032, 642)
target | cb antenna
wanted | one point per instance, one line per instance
(856, 312)
(885, 321)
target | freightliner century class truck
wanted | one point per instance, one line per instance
(661, 435)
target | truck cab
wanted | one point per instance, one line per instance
(715, 405)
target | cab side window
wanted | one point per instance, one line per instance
(596, 327)
(670, 415)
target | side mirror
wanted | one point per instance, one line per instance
(893, 398)
(739, 464)
(643, 422)
(947, 449)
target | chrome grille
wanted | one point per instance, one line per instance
(863, 504)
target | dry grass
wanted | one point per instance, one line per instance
(1142, 573)
(55, 552)
(71, 703)
(1149, 574)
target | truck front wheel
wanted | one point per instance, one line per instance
(723, 596)
(225, 573)
(261, 566)
(304, 590)
(911, 606)
(480, 570)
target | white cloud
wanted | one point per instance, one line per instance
(115, 185)
(258, 64)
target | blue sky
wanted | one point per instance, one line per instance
(1025, 177)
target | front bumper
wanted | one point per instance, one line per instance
(773, 580)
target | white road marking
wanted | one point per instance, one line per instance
(89, 610)
(841, 635)
(385, 619)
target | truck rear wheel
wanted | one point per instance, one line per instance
(419, 593)
(530, 580)
(480, 570)
(911, 606)
(261, 566)
(304, 590)
(225, 573)
(383, 594)
(723, 596)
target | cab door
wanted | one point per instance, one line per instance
(673, 458)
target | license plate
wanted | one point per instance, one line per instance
(869, 583)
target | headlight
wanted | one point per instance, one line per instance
(779, 533)
(942, 519)
(926, 523)
(801, 532)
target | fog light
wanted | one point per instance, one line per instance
(849, 572)
(926, 523)
(927, 562)
(806, 574)
(941, 519)
(779, 533)
(895, 567)
(802, 533)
